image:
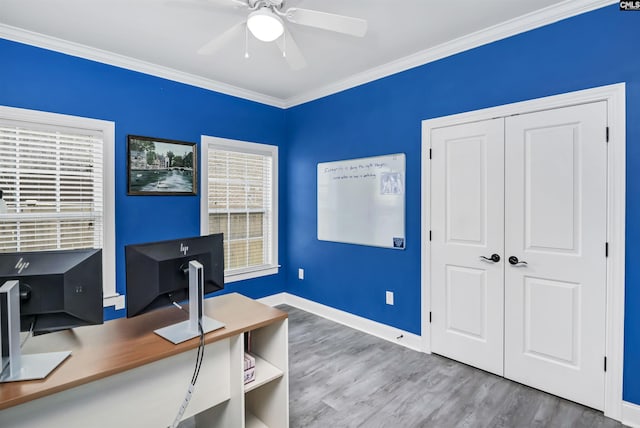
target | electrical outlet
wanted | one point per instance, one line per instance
(389, 296)
(300, 273)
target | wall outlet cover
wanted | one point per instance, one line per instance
(389, 297)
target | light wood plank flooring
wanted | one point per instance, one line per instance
(340, 377)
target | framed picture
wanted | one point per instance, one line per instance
(156, 166)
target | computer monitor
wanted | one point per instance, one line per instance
(43, 292)
(166, 272)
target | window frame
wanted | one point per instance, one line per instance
(217, 143)
(107, 128)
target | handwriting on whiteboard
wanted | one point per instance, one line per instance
(358, 171)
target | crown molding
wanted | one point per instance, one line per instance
(82, 51)
(497, 32)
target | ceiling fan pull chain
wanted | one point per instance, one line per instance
(246, 41)
(284, 47)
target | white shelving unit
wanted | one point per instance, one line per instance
(265, 372)
(253, 422)
(267, 397)
(264, 402)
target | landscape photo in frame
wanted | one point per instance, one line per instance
(156, 166)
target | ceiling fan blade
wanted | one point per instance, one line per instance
(233, 2)
(327, 21)
(215, 44)
(291, 51)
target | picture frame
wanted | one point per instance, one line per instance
(158, 166)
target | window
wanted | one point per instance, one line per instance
(56, 176)
(239, 199)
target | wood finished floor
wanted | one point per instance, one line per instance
(340, 377)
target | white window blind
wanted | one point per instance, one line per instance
(240, 201)
(52, 183)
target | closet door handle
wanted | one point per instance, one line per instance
(494, 258)
(514, 261)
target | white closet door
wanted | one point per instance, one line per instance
(555, 221)
(467, 221)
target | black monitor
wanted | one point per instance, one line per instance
(163, 273)
(43, 292)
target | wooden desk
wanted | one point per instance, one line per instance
(122, 374)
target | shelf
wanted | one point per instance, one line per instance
(251, 421)
(265, 373)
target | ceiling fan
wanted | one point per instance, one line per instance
(266, 22)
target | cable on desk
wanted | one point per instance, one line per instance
(196, 371)
(29, 334)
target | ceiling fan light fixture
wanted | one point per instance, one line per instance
(265, 25)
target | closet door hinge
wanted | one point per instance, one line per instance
(605, 364)
(606, 249)
(429, 317)
(429, 235)
(430, 149)
(607, 134)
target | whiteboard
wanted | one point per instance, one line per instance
(361, 201)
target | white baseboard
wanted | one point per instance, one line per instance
(392, 334)
(274, 299)
(630, 414)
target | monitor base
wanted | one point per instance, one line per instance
(181, 332)
(35, 366)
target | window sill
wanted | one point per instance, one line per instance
(116, 300)
(249, 274)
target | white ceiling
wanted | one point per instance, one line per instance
(161, 37)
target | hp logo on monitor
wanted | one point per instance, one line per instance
(184, 249)
(21, 265)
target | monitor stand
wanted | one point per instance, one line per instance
(15, 366)
(185, 330)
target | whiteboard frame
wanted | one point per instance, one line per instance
(402, 214)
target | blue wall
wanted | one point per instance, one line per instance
(140, 104)
(594, 49)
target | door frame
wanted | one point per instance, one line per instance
(614, 95)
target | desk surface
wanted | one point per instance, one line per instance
(123, 344)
